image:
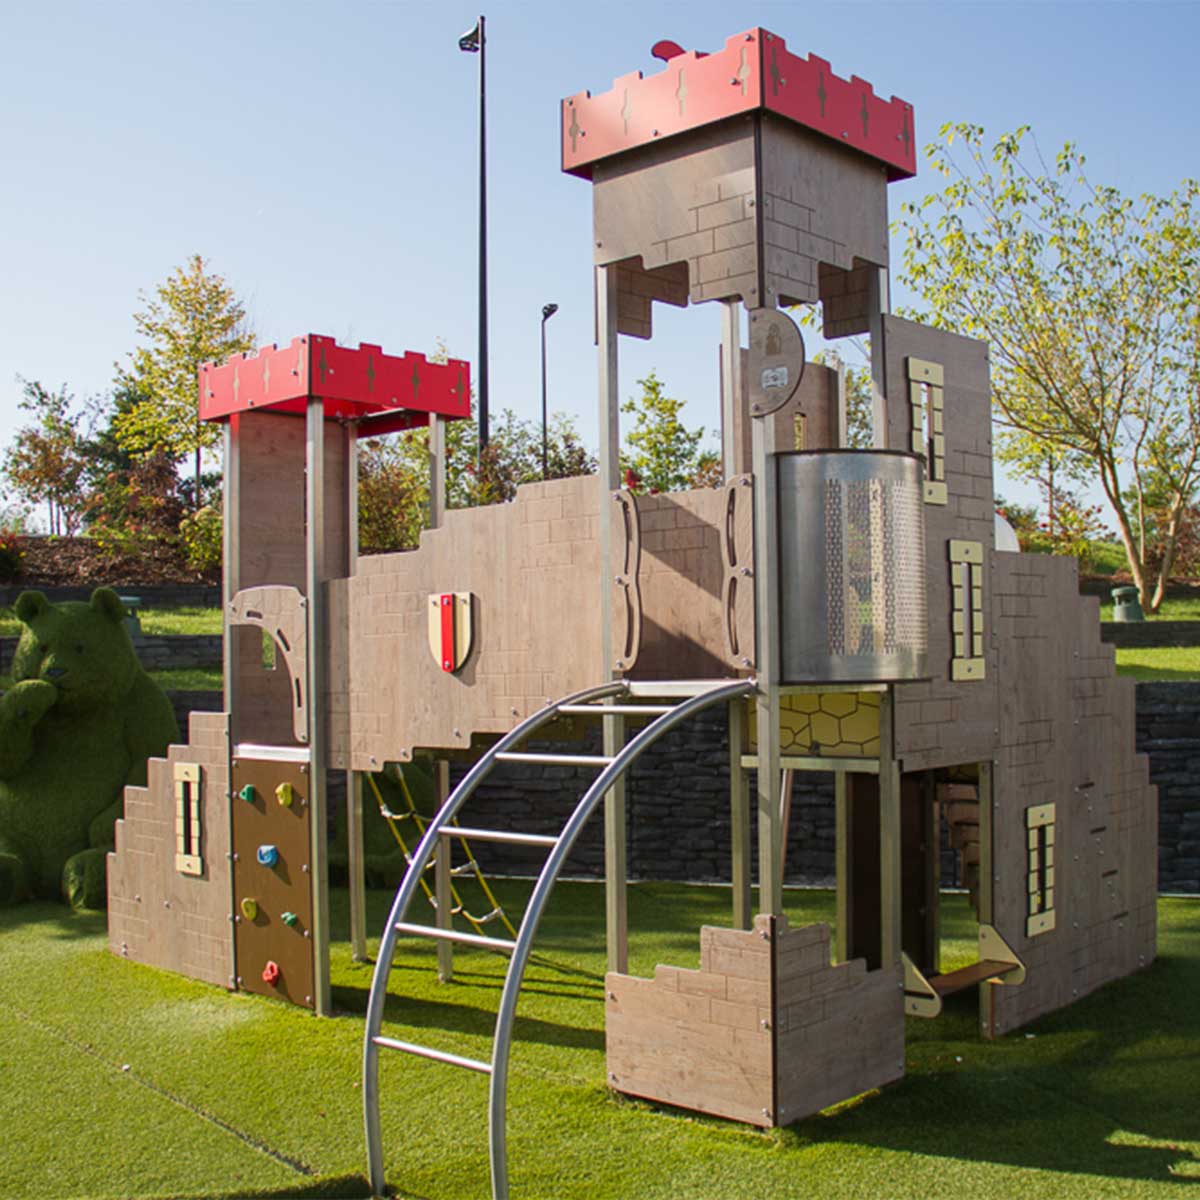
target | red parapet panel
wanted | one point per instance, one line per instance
(754, 71)
(692, 90)
(353, 383)
(809, 93)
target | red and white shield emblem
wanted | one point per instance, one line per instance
(450, 628)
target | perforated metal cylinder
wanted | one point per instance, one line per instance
(852, 567)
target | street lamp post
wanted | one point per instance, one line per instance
(475, 42)
(548, 310)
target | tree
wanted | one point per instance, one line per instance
(1089, 302)
(856, 379)
(47, 461)
(194, 317)
(393, 473)
(660, 451)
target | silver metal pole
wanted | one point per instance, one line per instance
(766, 604)
(377, 997)
(442, 879)
(437, 471)
(314, 536)
(616, 866)
(731, 387)
(356, 862)
(498, 1093)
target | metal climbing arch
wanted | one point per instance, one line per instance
(687, 699)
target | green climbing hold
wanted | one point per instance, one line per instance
(290, 919)
(248, 793)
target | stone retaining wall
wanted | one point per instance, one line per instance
(156, 653)
(1150, 633)
(152, 595)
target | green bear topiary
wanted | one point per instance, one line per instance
(77, 726)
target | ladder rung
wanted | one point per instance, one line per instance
(442, 1056)
(617, 710)
(665, 689)
(556, 760)
(453, 935)
(466, 869)
(499, 835)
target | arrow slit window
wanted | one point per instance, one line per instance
(188, 860)
(926, 399)
(1039, 824)
(966, 610)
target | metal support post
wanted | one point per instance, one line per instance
(230, 556)
(356, 858)
(615, 864)
(437, 471)
(442, 879)
(890, 896)
(877, 299)
(845, 893)
(314, 537)
(987, 848)
(356, 866)
(766, 604)
(739, 814)
(787, 780)
(732, 417)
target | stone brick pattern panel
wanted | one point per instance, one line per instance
(156, 915)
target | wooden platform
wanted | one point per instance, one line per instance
(966, 977)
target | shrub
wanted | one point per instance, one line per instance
(201, 536)
(11, 556)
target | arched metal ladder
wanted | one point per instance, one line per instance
(691, 697)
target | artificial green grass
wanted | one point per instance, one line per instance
(189, 679)
(156, 621)
(234, 1095)
(1173, 608)
(180, 679)
(1178, 663)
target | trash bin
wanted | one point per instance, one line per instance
(132, 623)
(1126, 606)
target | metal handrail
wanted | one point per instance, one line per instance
(404, 896)
(498, 1090)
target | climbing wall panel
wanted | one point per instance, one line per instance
(272, 879)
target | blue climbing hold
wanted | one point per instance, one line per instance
(268, 855)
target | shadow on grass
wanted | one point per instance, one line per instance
(1106, 1087)
(333, 1187)
(1156, 674)
(448, 1010)
(55, 919)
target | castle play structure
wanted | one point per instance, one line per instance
(849, 611)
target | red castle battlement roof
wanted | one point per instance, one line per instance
(383, 391)
(754, 71)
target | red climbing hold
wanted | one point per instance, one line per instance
(271, 973)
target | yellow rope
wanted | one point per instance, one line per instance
(459, 908)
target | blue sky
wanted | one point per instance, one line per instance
(323, 158)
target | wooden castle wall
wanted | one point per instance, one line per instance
(767, 1031)
(944, 722)
(533, 570)
(156, 915)
(1067, 739)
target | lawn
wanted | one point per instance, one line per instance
(157, 621)
(1179, 663)
(122, 1081)
(1173, 608)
